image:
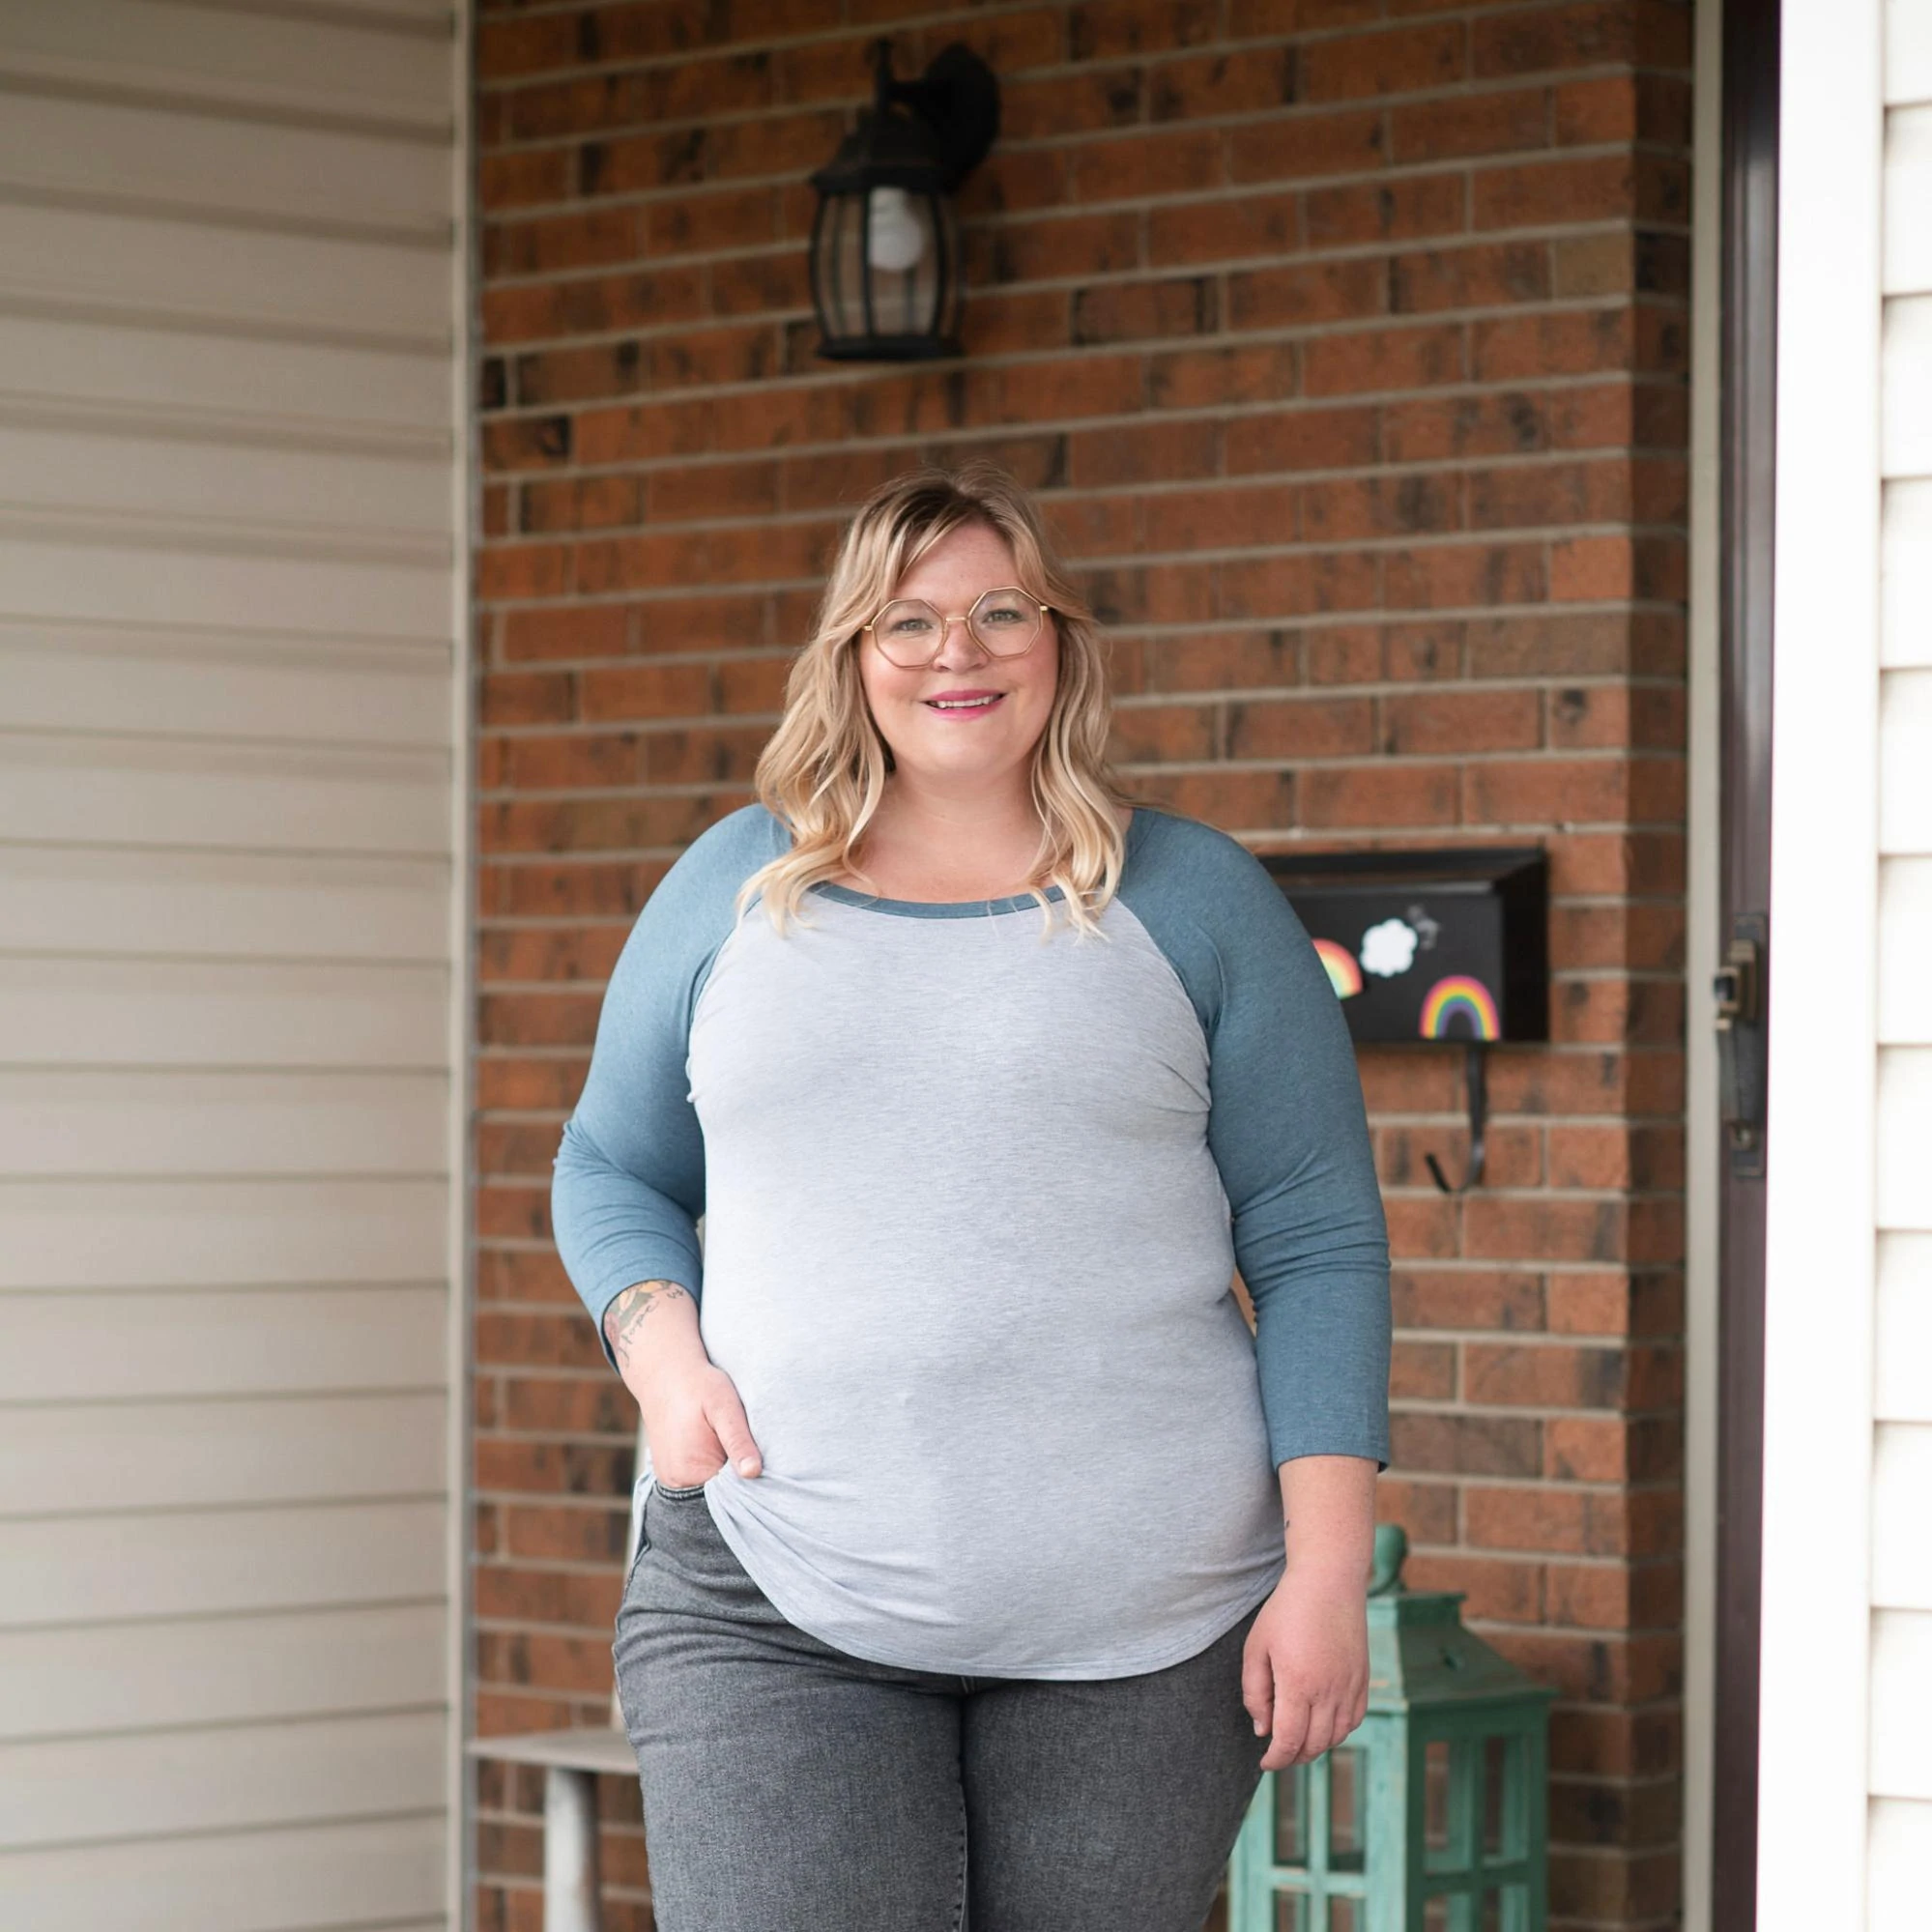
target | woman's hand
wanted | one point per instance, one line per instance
(1305, 1667)
(693, 1419)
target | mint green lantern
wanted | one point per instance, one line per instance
(1432, 1814)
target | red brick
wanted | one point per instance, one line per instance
(1301, 728)
(1458, 723)
(1402, 60)
(1308, 292)
(1470, 125)
(1300, 146)
(1383, 359)
(1178, 161)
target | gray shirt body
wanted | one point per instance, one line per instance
(968, 1252)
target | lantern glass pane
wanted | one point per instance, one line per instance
(1506, 1908)
(1291, 1845)
(1502, 1781)
(1435, 1801)
(906, 274)
(840, 266)
(1346, 1914)
(1291, 1912)
(1347, 1808)
(1435, 1916)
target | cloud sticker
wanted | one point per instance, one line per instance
(1389, 949)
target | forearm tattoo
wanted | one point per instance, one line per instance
(632, 1310)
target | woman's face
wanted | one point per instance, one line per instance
(972, 744)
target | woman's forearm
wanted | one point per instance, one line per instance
(1328, 1515)
(652, 1325)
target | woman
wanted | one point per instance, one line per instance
(988, 1558)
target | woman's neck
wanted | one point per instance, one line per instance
(941, 847)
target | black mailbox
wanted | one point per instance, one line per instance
(1428, 946)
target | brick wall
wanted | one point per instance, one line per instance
(1348, 343)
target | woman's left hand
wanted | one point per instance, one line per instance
(1305, 1667)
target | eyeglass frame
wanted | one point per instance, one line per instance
(947, 624)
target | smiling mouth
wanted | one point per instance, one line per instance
(984, 702)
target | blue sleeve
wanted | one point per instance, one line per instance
(1290, 1133)
(628, 1182)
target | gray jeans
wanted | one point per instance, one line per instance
(790, 1788)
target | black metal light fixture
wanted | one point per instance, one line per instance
(885, 254)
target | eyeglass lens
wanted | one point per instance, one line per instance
(1004, 621)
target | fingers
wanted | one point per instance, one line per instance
(726, 1415)
(1257, 1686)
(1292, 1717)
(1303, 1727)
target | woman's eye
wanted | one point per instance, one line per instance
(910, 627)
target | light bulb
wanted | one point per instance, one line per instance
(894, 239)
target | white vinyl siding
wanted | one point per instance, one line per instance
(232, 613)
(1901, 1580)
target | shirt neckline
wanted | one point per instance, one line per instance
(959, 908)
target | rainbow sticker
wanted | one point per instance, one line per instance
(1460, 995)
(1343, 974)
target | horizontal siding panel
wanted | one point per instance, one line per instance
(83, 1458)
(1903, 1346)
(216, 1780)
(223, 168)
(204, 383)
(205, 1233)
(1904, 1137)
(354, 694)
(1898, 1879)
(336, 495)
(1905, 584)
(223, 905)
(91, 1124)
(385, 1873)
(91, 578)
(1908, 201)
(173, 1564)
(1905, 758)
(197, 1343)
(145, 1013)
(238, 1670)
(1908, 72)
(1901, 1746)
(355, 68)
(1901, 1487)
(236, 277)
(1905, 951)
(118, 792)
(1906, 434)
(359, 694)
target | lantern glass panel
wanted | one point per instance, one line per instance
(1345, 1915)
(1435, 1801)
(1502, 1780)
(1291, 1838)
(841, 264)
(1347, 1809)
(1291, 1912)
(1506, 1908)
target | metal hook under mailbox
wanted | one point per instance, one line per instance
(1476, 1080)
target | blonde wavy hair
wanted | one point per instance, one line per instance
(823, 772)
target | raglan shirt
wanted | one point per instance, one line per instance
(974, 1193)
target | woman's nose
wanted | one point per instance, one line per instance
(960, 647)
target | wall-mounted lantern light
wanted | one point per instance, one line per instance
(885, 254)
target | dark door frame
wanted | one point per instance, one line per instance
(1747, 396)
